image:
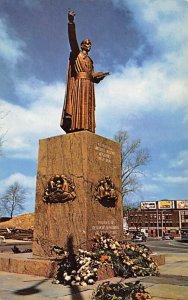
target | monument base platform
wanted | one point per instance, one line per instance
(27, 263)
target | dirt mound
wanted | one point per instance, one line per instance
(25, 221)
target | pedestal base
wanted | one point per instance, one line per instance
(78, 192)
(27, 263)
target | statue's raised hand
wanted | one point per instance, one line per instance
(71, 15)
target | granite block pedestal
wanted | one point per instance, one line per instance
(89, 168)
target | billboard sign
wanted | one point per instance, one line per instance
(148, 205)
(182, 204)
(166, 204)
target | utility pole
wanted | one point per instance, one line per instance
(162, 223)
(180, 222)
(157, 210)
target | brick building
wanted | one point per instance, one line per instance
(157, 218)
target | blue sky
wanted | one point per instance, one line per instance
(142, 43)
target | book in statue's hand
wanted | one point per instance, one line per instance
(100, 74)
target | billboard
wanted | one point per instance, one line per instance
(148, 205)
(183, 204)
(166, 204)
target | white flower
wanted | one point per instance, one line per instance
(90, 281)
(83, 283)
(67, 278)
(77, 278)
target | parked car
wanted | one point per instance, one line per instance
(139, 237)
(168, 236)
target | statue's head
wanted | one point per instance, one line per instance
(86, 45)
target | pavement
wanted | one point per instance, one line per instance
(172, 284)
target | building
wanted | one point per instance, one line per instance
(157, 218)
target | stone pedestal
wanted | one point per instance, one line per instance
(85, 159)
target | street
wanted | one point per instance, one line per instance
(160, 246)
(163, 246)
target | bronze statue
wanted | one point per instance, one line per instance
(79, 104)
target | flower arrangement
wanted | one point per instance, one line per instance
(120, 291)
(126, 259)
(80, 269)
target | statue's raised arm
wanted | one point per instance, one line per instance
(72, 33)
(71, 15)
(79, 105)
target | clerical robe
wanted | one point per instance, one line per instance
(79, 104)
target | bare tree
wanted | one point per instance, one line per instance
(133, 157)
(13, 199)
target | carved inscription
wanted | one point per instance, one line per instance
(104, 152)
(106, 226)
(59, 189)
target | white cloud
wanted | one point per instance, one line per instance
(41, 119)
(163, 22)
(160, 82)
(150, 188)
(10, 46)
(180, 161)
(26, 181)
(137, 90)
(171, 179)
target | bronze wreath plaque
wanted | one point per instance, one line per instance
(59, 190)
(106, 190)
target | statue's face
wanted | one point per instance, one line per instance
(86, 45)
